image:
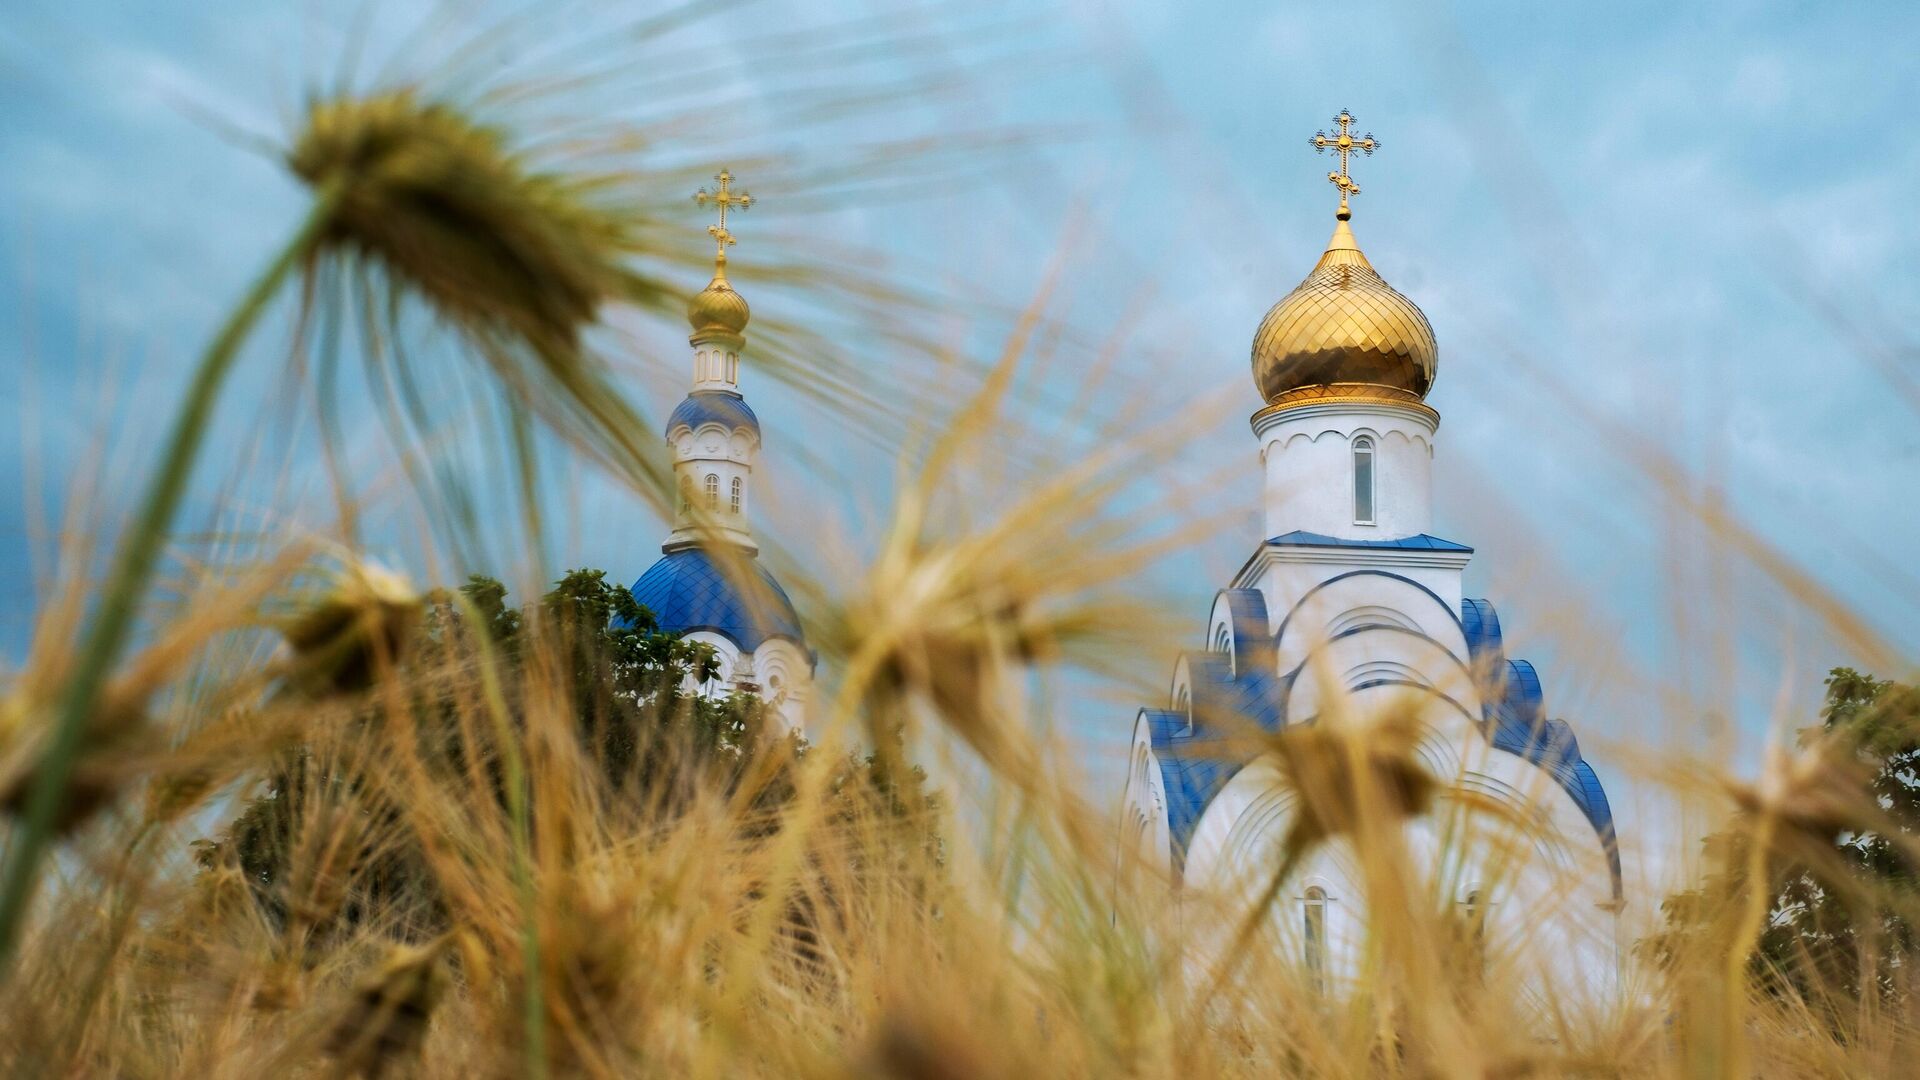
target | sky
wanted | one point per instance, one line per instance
(1669, 253)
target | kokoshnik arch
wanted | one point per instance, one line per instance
(1351, 604)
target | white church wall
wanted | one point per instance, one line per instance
(715, 366)
(1230, 862)
(1310, 483)
(727, 456)
(1514, 842)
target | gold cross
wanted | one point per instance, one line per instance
(724, 198)
(1344, 144)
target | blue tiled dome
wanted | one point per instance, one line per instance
(721, 406)
(686, 591)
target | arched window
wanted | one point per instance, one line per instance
(713, 491)
(1314, 936)
(686, 493)
(738, 487)
(1363, 481)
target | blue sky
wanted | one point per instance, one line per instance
(1696, 223)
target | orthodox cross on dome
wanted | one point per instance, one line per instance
(726, 198)
(1344, 144)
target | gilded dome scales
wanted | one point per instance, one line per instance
(1344, 326)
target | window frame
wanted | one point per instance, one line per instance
(1366, 482)
(1314, 906)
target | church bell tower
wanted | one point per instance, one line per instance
(708, 583)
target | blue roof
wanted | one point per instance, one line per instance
(1196, 761)
(1222, 703)
(1422, 542)
(724, 407)
(1193, 769)
(1520, 727)
(687, 590)
(1190, 779)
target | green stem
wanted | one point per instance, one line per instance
(519, 792)
(132, 570)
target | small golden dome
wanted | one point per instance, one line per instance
(718, 307)
(1343, 324)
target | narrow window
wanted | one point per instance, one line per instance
(736, 494)
(1314, 920)
(1363, 481)
(1476, 934)
(686, 494)
(713, 492)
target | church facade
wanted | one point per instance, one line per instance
(709, 584)
(1351, 604)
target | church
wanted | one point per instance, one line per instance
(1351, 604)
(709, 584)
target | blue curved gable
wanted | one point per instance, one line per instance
(1482, 625)
(1523, 704)
(1225, 704)
(1197, 760)
(727, 409)
(686, 591)
(1189, 774)
(1247, 609)
(1197, 754)
(1520, 727)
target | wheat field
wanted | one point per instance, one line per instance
(275, 809)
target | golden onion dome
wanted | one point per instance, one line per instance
(717, 307)
(1343, 325)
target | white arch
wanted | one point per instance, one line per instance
(1323, 613)
(1368, 615)
(1345, 663)
(786, 680)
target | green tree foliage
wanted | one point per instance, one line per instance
(1843, 925)
(655, 742)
